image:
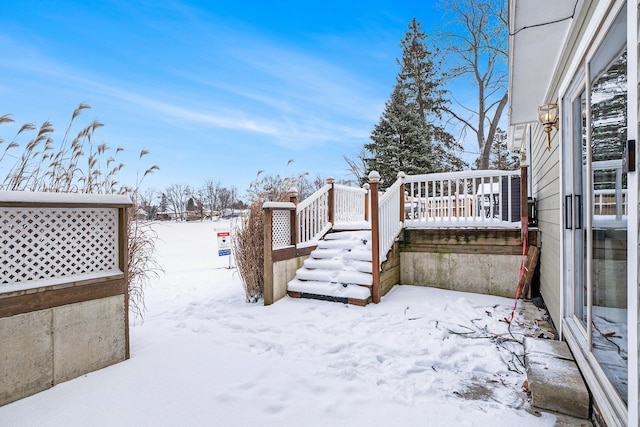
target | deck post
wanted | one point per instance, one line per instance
(374, 179)
(366, 201)
(293, 198)
(401, 176)
(123, 264)
(268, 256)
(332, 199)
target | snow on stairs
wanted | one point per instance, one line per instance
(339, 269)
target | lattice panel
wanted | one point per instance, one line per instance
(49, 243)
(281, 228)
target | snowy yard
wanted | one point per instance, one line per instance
(204, 357)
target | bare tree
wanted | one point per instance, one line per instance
(211, 192)
(144, 199)
(225, 199)
(177, 196)
(357, 166)
(476, 52)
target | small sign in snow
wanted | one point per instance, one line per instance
(224, 243)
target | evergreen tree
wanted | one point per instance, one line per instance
(191, 205)
(609, 121)
(164, 203)
(609, 111)
(419, 75)
(409, 137)
(399, 142)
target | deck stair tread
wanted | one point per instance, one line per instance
(345, 244)
(339, 269)
(349, 235)
(345, 254)
(352, 226)
(332, 264)
(329, 289)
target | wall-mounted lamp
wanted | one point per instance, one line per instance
(548, 116)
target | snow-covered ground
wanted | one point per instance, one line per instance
(204, 357)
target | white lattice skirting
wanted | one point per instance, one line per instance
(281, 228)
(50, 243)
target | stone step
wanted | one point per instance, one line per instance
(554, 379)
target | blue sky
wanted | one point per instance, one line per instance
(215, 90)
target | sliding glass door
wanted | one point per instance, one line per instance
(594, 124)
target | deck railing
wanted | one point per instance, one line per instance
(610, 202)
(313, 217)
(349, 203)
(463, 199)
(609, 195)
(390, 218)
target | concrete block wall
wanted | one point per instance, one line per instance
(43, 348)
(485, 261)
(479, 273)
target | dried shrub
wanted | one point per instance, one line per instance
(248, 240)
(77, 165)
(142, 263)
(248, 251)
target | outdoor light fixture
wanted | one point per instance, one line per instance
(548, 116)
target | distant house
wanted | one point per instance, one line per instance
(141, 214)
(573, 107)
(164, 216)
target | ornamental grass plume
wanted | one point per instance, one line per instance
(78, 165)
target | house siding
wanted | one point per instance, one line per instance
(545, 180)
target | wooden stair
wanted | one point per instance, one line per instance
(339, 269)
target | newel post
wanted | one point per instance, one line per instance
(366, 201)
(401, 176)
(332, 199)
(268, 256)
(293, 198)
(374, 179)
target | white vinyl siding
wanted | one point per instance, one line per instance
(545, 174)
